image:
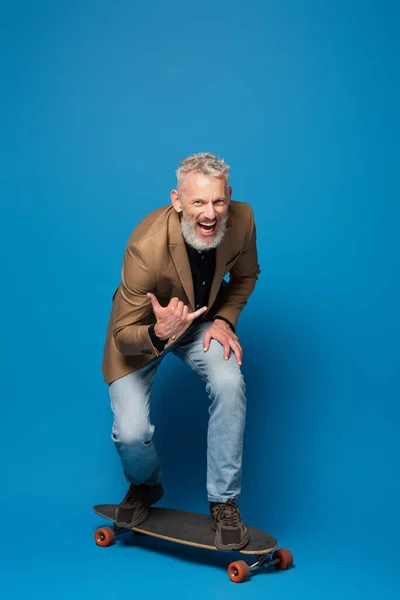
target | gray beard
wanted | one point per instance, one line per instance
(188, 228)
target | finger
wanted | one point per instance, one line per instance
(196, 314)
(173, 303)
(234, 340)
(206, 341)
(154, 302)
(185, 312)
(237, 350)
(179, 308)
(227, 350)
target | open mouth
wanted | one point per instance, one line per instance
(207, 228)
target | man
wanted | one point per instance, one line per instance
(172, 298)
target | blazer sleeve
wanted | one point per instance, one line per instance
(133, 310)
(242, 278)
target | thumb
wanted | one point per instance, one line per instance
(154, 302)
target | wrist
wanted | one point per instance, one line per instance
(221, 323)
(159, 333)
(219, 320)
(158, 344)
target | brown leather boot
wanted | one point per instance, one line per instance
(135, 507)
(230, 532)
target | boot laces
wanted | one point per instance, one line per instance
(228, 514)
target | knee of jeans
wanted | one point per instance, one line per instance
(229, 384)
(135, 436)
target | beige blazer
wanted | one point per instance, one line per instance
(156, 261)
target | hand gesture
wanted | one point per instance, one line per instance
(172, 318)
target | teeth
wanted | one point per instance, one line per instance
(208, 224)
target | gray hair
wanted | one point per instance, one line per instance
(205, 163)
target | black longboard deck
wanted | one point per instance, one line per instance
(193, 529)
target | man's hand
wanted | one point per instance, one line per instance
(221, 332)
(172, 318)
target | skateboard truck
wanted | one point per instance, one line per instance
(264, 560)
(239, 570)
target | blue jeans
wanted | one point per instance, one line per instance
(132, 430)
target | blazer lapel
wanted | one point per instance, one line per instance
(180, 258)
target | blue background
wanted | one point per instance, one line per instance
(100, 101)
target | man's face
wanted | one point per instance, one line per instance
(203, 201)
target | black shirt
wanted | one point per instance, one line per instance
(202, 266)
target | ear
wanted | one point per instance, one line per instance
(229, 194)
(175, 201)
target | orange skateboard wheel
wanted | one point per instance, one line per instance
(239, 571)
(104, 536)
(285, 558)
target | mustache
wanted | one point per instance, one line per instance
(215, 219)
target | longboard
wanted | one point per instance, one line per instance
(194, 529)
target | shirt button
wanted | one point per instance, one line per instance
(202, 258)
(173, 337)
(204, 283)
